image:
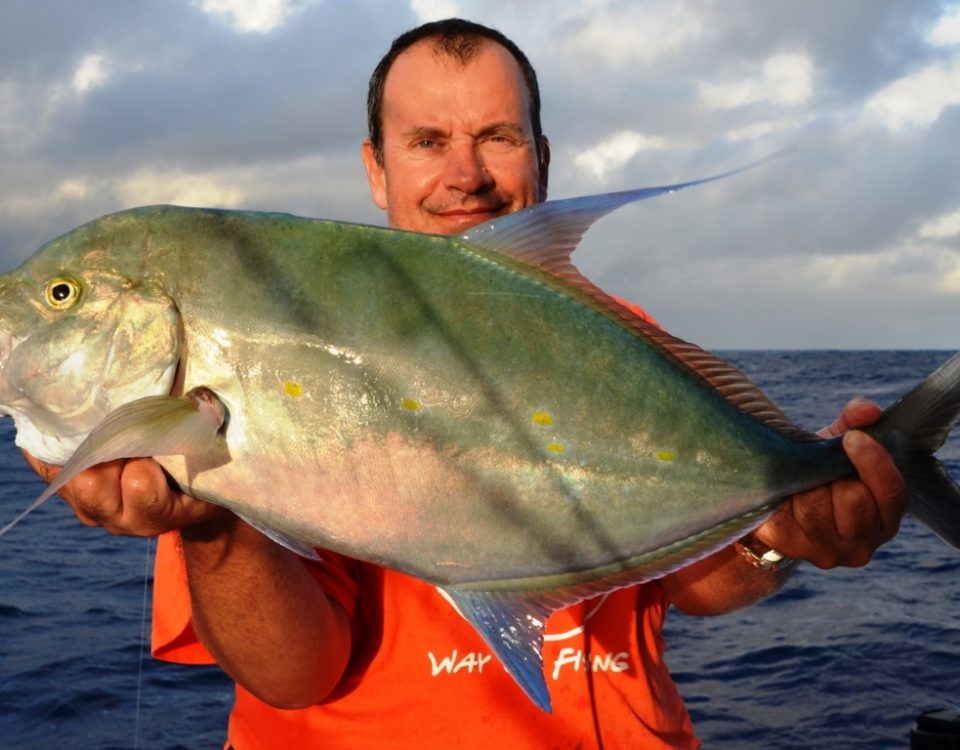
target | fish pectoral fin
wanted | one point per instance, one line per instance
(304, 549)
(188, 425)
(512, 625)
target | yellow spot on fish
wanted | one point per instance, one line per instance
(555, 447)
(293, 389)
(666, 455)
(542, 418)
(410, 404)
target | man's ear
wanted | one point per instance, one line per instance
(544, 164)
(376, 177)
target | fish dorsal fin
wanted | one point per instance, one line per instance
(724, 378)
(727, 380)
(546, 234)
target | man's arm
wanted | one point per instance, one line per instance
(256, 607)
(842, 523)
(262, 615)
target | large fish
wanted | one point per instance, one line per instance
(471, 410)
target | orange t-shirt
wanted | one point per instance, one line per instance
(421, 677)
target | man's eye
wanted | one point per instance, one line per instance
(426, 143)
(499, 139)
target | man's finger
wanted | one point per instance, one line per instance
(880, 476)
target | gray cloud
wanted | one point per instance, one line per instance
(105, 104)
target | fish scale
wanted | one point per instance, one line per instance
(471, 410)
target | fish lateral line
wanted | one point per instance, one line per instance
(546, 235)
(511, 615)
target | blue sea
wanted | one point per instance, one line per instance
(839, 659)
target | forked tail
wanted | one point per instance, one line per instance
(912, 430)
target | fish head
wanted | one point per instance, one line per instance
(81, 335)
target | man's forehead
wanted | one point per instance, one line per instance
(456, 53)
(433, 57)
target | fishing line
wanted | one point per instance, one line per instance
(143, 641)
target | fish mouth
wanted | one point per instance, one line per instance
(6, 346)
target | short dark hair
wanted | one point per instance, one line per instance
(461, 40)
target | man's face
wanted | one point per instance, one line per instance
(458, 144)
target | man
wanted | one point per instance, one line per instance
(345, 654)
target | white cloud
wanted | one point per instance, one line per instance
(145, 187)
(946, 32)
(785, 80)
(91, 73)
(181, 188)
(838, 272)
(763, 129)
(73, 189)
(616, 151)
(434, 10)
(916, 100)
(946, 277)
(942, 227)
(34, 203)
(624, 34)
(617, 79)
(250, 16)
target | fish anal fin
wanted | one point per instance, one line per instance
(511, 617)
(512, 622)
(512, 625)
(304, 549)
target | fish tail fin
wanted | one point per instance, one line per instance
(913, 429)
(934, 498)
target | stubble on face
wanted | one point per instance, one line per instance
(458, 146)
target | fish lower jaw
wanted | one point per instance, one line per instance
(51, 449)
(6, 347)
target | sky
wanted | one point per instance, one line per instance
(850, 241)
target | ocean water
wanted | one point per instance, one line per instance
(839, 659)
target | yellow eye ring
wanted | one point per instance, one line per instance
(61, 294)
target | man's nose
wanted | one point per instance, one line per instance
(465, 170)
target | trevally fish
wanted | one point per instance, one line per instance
(468, 410)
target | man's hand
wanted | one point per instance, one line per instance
(128, 496)
(843, 523)
(229, 565)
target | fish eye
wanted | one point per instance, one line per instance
(61, 293)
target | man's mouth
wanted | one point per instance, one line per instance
(472, 211)
(462, 218)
